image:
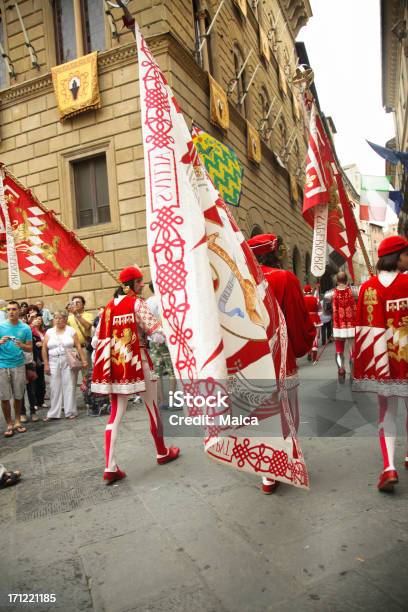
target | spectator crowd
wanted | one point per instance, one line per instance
(45, 356)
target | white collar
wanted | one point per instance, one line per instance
(386, 278)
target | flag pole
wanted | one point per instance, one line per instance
(62, 224)
(361, 243)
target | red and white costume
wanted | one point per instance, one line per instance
(301, 332)
(313, 308)
(381, 351)
(343, 299)
(123, 367)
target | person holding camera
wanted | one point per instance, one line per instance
(81, 321)
(15, 340)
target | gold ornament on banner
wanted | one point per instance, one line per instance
(76, 85)
(219, 111)
(253, 144)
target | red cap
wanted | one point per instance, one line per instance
(392, 244)
(308, 289)
(131, 273)
(263, 243)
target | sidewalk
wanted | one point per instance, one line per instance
(193, 535)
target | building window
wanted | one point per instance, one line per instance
(256, 230)
(296, 262)
(65, 38)
(93, 28)
(3, 69)
(283, 137)
(93, 24)
(265, 123)
(241, 80)
(91, 191)
(202, 21)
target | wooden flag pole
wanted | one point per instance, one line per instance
(361, 243)
(47, 210)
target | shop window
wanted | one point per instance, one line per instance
(91, 191)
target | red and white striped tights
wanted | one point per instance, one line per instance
(387, 429)
(118, 409)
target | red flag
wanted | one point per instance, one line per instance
(46, 251)
(324, 186)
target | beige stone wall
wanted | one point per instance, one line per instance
(37, 147)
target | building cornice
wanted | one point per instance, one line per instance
(297, 13)
(392, 11)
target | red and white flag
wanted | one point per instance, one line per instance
(224, 331)
(32, 240)
(326, 206)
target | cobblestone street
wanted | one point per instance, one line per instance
(195, 535)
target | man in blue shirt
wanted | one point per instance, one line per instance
(15, 339)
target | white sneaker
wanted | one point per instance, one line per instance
(23, 418)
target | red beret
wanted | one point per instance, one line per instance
(131, 273)
(308, 288)
(263, 243)
(392, 244)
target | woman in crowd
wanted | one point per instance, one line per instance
(38, 331)
(58, 341)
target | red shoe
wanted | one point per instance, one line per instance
(387, 481)
(270, 488)
(406, 463)
(172, 454)
(111, 477)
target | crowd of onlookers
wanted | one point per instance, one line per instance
(42, 355)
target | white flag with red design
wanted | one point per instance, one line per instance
(224, 331)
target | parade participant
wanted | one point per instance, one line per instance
(381, 351)
(313, 308)
(343, 300)
(301, 331)
(123, 367)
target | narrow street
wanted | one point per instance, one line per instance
(195, 535)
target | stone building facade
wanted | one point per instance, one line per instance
(90, 169)
(394, 45)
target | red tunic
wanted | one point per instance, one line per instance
(381, 353)
(344, 313)
(301, 331)
(312, 307)
(118, 358)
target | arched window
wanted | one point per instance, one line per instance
(282, 136)
(241, 82)
(308, 263)
(296, 263)
(265, 123)
(256, 230)
(202, 21)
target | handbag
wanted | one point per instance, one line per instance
(31, 373)
(74, 361)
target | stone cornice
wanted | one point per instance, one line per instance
(392, 11)
(297, 13)
(111, 59)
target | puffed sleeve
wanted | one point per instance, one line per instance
(145, 319)
(301, 330)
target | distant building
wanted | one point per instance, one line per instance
(394, 41)
(371, 233)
